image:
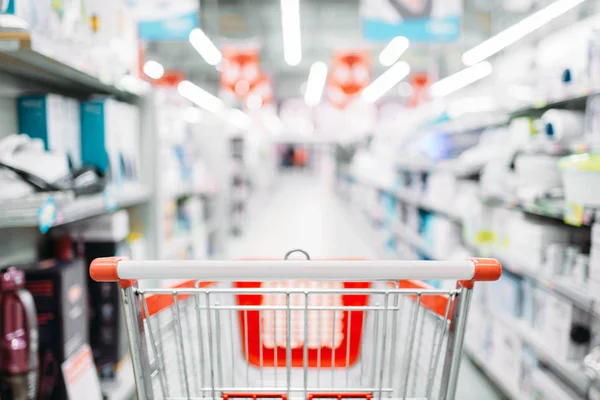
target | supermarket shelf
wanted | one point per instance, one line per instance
(576, 294)
(123, 388)
(468, 123)
(576, 101)
(554, 209)
(573, 373)
(494, 376)
(80, 208)
(18, 57)
(409, 199)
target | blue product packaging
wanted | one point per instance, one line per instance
(54, 120)
(99, 137)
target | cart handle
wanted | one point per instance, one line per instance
(114, 269)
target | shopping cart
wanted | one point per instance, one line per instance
(287, 329)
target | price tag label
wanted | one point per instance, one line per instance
(47, 215)
(574, 214)
(81, 378)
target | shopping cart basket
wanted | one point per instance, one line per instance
(306, 329)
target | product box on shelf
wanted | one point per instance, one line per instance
(59, 29)
(529, 364)
(110, 138)
(565, 329)
(60, 293)
(507, 294)
(529, 240)
(55, 120)
(506, 358)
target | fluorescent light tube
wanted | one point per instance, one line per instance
(290, 23)
(316, 83)
(460, 79)
(386, 81)
(153, 69)
(200, 97)
(519, 30)
(392, 52)
(205, 47)
(239, 119)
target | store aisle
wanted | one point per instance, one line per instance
(303, 212)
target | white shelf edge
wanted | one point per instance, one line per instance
(83, 207)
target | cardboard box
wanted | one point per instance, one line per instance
(61, 299)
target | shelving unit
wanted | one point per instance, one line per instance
(22, 56)
(576, 295)
(575, 101)
(78, 209)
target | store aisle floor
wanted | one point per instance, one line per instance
(303, 212)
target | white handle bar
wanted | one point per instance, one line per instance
(112, 269)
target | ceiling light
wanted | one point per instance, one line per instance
(254, 102)
(200, 97)
(153, 69)
(460, 79)
(290, 22)
(193, 115)
(386, 81)
(205, 47)
(239, 119)
(316, 83)
(392, 52)
(517, 31)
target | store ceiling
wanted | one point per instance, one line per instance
(326, 25)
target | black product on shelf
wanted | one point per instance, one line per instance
(59, 290)
(108, 335)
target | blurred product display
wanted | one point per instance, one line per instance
(424, 130)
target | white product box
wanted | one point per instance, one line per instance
(108, 227)
(529, 239)
(506, 357)
(529, 364)
(563, 326)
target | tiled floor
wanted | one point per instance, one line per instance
(303, 212)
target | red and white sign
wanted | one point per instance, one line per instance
(350, 74)
(242, 76)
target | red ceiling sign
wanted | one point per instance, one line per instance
(350, 74)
